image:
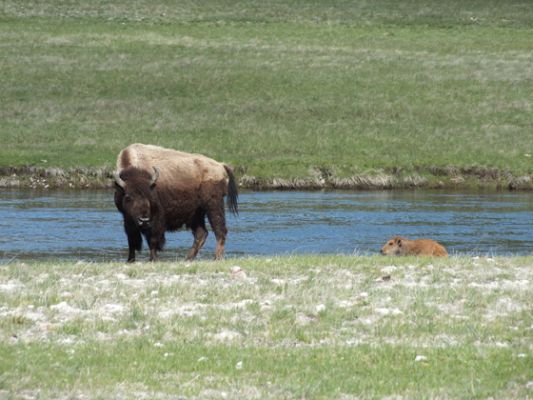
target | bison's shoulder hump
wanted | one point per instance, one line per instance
(173, 165)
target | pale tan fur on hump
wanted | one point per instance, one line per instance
(171, 163)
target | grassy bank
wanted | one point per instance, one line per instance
(413, 93)
(289, 327)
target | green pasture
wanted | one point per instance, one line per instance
(312, 327)
(286, 89)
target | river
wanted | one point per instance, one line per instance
(84, 225)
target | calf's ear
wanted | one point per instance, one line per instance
(399, 242)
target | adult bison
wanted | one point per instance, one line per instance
(159, 190)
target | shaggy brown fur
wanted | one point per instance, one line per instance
(419, 247)
(159, 190)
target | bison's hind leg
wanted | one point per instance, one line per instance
(200, 235)
(217, 220)
(212, 196)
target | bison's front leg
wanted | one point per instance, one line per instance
(155, 242)
(153, 254)
(134, 239)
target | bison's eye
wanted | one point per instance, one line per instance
(127, 198)
(390, 243)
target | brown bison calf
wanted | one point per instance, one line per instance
(159, 190)
(399, 246)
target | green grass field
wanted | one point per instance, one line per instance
(286, 89)
(306, 327)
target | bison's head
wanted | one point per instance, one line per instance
(136, 196)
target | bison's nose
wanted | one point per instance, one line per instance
(143, 221)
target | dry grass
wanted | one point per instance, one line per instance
(250, 327)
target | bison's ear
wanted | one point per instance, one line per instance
(399, 242)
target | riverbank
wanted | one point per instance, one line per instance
(268, 328)
(470, 178)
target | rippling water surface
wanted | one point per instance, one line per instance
(85, 225)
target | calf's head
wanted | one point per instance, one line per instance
(393, 246)
(135, 191)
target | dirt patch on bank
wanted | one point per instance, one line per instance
(56, 178)
(451, 178)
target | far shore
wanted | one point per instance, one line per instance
(448, 178)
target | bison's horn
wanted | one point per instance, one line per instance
(119, 180)
(154, 176)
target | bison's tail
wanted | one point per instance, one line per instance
(233, 194)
